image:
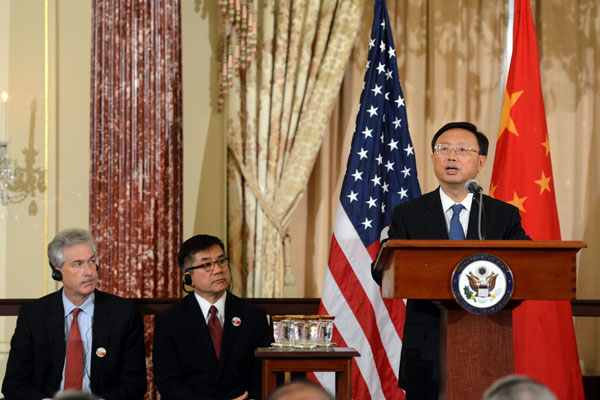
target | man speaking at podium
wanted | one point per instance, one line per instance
(459, 152)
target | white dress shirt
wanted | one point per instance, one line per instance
(205, 306)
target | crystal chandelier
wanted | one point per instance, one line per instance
(8, 174)
(18, 183)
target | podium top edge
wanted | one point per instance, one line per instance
(482, 244)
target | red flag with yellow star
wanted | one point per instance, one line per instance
(544, 338)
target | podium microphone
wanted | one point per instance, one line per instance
(472, 186)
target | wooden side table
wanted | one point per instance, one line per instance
(277, 361)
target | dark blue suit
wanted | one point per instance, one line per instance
(37, 350)
(423, 218)
(185, 364)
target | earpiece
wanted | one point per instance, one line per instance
(187, 280)
(56, 274)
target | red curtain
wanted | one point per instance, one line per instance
(136, 149)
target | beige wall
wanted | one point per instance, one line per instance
(4, 31)
(204, 172)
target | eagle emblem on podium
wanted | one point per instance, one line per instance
(482, 283)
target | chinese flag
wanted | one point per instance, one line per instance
(544, 338)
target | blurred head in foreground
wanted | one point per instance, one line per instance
(515, 387)
(300, 390)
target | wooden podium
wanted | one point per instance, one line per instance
(475, 350)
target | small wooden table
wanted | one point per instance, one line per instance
(277, 361)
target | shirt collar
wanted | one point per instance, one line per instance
(205, 305)
(447, 202)
(87, 306)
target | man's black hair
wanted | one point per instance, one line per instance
(482, 140)
(194, 245)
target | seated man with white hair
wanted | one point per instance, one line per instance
(77, 338)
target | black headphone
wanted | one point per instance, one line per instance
(187, 280)
(56, 273)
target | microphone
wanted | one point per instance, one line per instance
(472, 186)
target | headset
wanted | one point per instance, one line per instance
(56, 273)
(187, 280)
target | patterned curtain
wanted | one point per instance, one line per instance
(278, 109)
(136, 149)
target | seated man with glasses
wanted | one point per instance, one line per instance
(204, 345)
(459, 152)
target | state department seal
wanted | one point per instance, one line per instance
(482, 284)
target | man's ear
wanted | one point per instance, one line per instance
(482, 160)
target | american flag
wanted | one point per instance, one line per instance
(381, 173)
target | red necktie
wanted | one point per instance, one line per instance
(74, 365)
(215, 330)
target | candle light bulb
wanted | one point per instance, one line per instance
(4, 97)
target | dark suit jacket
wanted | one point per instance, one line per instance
(185, 363)
(423, 218)
(38, 346)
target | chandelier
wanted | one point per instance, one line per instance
(18, 183)
(8, 174)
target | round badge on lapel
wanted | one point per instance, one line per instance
(100, 352)
(235, 321)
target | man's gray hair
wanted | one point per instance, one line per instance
(65, 239)
(516, 387)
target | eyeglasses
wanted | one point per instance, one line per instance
(209, 266)
(459, 150)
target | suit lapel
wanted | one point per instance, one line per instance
(54, 322)
(101, 328)
(434, 216)
(198, 327)
(233, 314)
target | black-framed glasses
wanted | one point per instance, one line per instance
(209, 266)
(459, 149)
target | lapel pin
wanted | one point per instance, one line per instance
(236, 321)
(100, 352)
